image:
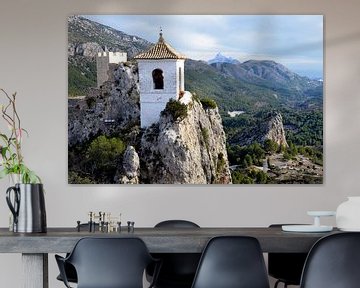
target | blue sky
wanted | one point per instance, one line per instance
(295, 41)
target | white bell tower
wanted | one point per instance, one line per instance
(161, 78)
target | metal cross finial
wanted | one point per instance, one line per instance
(161, 39)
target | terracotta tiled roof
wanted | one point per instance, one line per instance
(160, 50)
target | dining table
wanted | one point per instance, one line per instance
(35, 247)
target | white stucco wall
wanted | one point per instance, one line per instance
(153, 101)
(151, 106)
(170, 73)
(180, 75)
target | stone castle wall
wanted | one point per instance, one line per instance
(103, 60)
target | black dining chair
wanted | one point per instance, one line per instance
(70, 271)
(232, 262)
(333, 262)
(285, 267)
(108, 263)
(178, 269)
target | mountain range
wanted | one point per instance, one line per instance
(254, 86)
(236, 86)
(220, 58)
(255, 90)
(82, 30)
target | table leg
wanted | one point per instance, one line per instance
(35, 270)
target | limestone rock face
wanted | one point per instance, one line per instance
(270, 127)
(131, 167)
(275, 130)
(188, 151)
(110, 110)
(88, 49)
(84, 31)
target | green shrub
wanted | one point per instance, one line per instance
(177, 110)
(270, 146)
(195, 97)
(103, 157)
(75, 178)
(90, 101)
(249, 176)
(80, 79)
(205, 135)
(221, 163)
(240, 178)
(208, 103)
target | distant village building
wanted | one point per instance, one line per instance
(161, 78)
(103, 61)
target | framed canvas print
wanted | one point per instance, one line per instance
(195, 99)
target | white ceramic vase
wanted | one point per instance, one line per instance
(348, 214)
(13, 179)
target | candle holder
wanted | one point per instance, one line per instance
(315, 227)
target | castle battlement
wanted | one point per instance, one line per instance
(114, 57)
(103, 60)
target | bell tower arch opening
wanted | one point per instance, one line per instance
(161, 78)
(158, 78)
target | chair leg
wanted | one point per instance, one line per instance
(279, 281)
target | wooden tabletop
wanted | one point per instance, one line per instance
(158, 240)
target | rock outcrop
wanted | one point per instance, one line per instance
(113, 109)
(269, 127)
(187, 151)
(275, 130)
(88, 49)
(130, 169)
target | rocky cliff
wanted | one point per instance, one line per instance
(129, 172)
(191, 150)
(274, 130)
(187, 151)
(88, 49)
(113, 109)
(87, 37)
(266, 127)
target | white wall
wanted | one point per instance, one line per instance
(153, 101)
(33, 62)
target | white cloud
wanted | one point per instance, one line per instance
(198, 41)
(283, 38)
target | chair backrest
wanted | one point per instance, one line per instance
(110, 262)
(178, 269)
(176, 224)
(286, 267)
(232, 262)
(333, 262)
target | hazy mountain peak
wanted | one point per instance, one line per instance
(220, 58)
(82, 30)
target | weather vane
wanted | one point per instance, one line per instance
(161, 34)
